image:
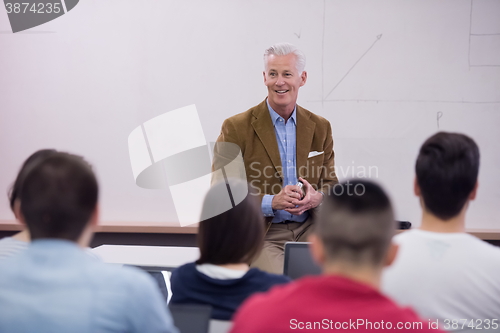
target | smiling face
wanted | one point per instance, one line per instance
(283, 81)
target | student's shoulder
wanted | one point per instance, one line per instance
(276, 295)
(265, 276)
(14, 262)
(183, 270)
(118, 277)
(407, 236)
(10, 246)
(411, 321)
(482, 247)
(261, 309)
(396, 316)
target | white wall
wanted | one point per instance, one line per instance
(84, 81)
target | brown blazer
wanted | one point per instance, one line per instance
(254, 133)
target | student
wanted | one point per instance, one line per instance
(228, 242)
(441, 271)
(10, 246)
(54, 286)
(351, 240)
(19, 242)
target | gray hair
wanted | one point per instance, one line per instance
(282, 49)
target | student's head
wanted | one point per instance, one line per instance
(354, 227)
(30, 161)
(236, 235)
(446, 173)
(58, 197)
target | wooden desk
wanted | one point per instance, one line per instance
(121, 227)
(485, 234)
(9, 225)
(174, 228)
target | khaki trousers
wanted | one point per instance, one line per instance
(271, 258)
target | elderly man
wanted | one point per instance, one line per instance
(282, 144)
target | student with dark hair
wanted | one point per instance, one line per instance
(351, 240)
(54, 286)
(441, 271)
(19, 242)
(228, 243)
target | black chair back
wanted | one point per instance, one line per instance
(191, 318)
(298, 261)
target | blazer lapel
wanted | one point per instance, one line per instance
(305, 133)
(264, 129)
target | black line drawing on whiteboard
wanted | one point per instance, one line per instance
(490, 37)
(439, 115)
(350, 69)
(472, 35)
(298, 34)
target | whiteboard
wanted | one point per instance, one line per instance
(387, 74)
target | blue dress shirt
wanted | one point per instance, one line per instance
(54, 286)
(286, 136)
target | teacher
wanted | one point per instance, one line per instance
(282, 144)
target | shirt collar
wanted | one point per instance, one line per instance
(275, 116)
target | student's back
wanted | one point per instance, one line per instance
(228, 242)
(442, 272)
(225, 290)
(54, 286)
(325, 303)
(446, 276)
(351, 241)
